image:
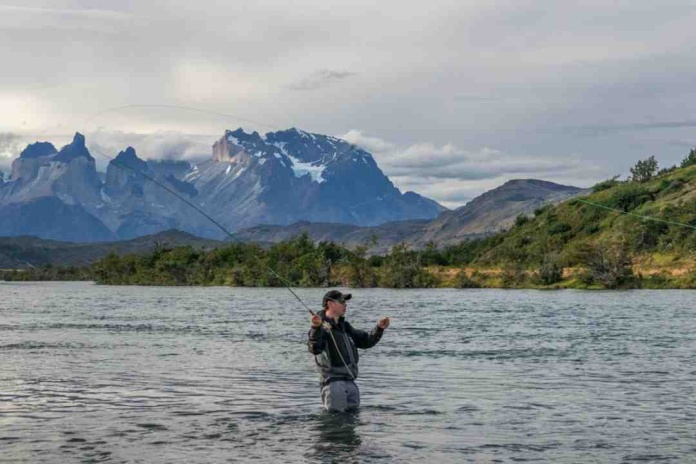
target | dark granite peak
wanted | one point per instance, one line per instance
(129, 159)
(38, 150)
(76, 149)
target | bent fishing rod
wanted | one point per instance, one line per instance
(206, 215)
(91, 117)
(325, 325)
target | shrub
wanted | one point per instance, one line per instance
(606, 184)
(690, 159)
(559, 228)
(550, 271)
(541, 210)
(609, 264)
(629, 197)
(644, 170)
(521, 220)
(462, 280)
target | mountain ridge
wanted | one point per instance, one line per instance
(279, 178)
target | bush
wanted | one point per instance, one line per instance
(644, 170)
(402, 269)
(521, 220)
(550, 271)
(664, 171)
(513, 275)
(629, 197)
(541, 210)
(609, 264)
(361, 272)
(462, 280)
(690, 159)
(606, 184)
(559, 228)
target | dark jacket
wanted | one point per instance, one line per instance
(348, 340)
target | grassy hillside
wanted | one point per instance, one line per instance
(647, 227)
(625, 234)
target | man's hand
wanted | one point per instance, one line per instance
(316, 321)
(384, 323)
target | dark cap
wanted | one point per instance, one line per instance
(335, 295)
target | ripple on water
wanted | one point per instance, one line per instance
(92, 374)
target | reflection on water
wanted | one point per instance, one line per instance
(111, 374)
(336, 437)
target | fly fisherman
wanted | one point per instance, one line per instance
(334, 344)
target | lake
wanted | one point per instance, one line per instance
(94, 373)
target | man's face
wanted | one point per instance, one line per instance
(337, 307)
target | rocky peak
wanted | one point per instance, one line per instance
(74, 150)
(240, 137)
(120, 176)
(311, 148)
(38, 150)
(130, 159)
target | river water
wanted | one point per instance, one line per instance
(94, 373)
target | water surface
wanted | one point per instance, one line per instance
(137, 374)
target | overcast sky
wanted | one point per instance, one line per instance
(452, 97)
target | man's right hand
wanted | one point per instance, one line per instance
(316, 321)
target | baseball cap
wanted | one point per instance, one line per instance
(335, 295)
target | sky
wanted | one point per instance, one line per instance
(452, 98)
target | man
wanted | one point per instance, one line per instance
(334, 344)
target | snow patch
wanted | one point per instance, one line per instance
(301, 168)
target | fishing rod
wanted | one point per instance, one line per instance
(325, 325)
(206, 215)
(95, 115)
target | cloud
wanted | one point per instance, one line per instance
(530, 78)
(452, 175)
(320, 79)
(42, 19)
(158, 145)
(609, 129)
(10, 147)
(476, 98)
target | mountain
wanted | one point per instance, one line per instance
(525, 194)
(289, 176)
(496, 210)
(489, 213)
(23, 252)
(279, 178)
(378, 238)
(54, 194)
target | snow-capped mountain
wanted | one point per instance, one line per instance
(278, 178)
(291, 175)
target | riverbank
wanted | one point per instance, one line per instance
(647, 273)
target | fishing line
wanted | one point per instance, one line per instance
(287, 284)
(206, 215)
(95, 115)
(628, 213)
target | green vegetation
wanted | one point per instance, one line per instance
(644, 170)
(690, 159)
(47, 273)
(599, 241)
